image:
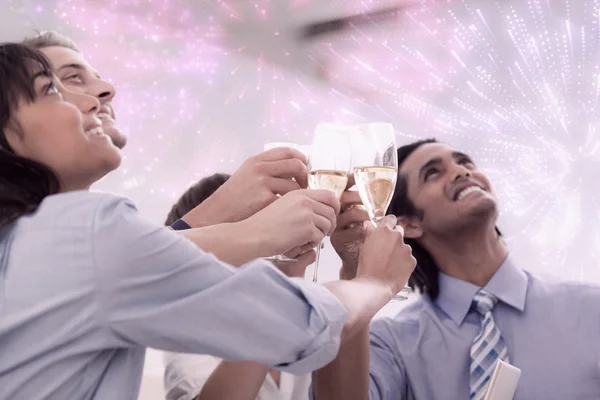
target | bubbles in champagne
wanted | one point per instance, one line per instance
(334, 181)
(375, 186)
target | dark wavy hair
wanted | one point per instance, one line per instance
(425, 277)
(24, 183)
(195, 195)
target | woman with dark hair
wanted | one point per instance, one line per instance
(86, 284)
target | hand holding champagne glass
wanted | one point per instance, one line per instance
(280, 258)
(330, 162)
(375, 170)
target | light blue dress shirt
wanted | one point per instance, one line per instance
(551, 329)
(86, 284)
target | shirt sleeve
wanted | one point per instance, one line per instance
(186, 374)
(157, 289)
(180, 225)
(387, 373)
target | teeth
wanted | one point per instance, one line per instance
(98, 131)
(465, 192)
(104, 116)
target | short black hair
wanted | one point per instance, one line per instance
(195, 195)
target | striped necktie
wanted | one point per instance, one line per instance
(488, 346)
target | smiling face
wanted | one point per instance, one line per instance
(78, 76)
(448, 188)
(52, 125)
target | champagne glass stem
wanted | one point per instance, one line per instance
(317, 256)
(280, 258)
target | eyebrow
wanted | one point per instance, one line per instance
(40, 74)
(427, 165)
(78, 67)
(456, 155)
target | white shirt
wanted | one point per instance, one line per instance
(185, 374)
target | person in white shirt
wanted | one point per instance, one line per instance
(204, 377)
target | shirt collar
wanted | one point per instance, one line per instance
(509, 285)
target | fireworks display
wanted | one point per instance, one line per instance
(204, 84)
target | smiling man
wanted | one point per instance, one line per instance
(477, 306)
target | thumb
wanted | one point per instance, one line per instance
(390, 221)
(368, 228)
(399, 228)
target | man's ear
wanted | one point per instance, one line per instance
(412, 227)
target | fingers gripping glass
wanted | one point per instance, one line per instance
(330, 163)
(375, 171)
(274, 145)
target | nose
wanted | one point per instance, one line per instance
(104, 91)
(460, 172)
(85, 103)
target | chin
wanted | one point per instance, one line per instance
(114, 162)
(118, 138)
(485, 206)
(109, 160)
(481, 215)
(478, 214)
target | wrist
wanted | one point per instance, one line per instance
(363, 274)
(387, 289)
(348, 271)
(238, 244)
(252, 238)
(207, 213)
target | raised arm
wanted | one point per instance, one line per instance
(193, 376)
(252, 187)
(158, 290)
(293, 221)
(365, 367)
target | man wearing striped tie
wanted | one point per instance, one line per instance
(477, 306)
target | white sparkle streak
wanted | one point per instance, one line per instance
(550, 94)
(478, 11)
(362, 63)
(458, 58)
(474, 89)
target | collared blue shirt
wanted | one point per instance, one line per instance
(551, 329)
(86, 285)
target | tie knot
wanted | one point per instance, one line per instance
(484, 301)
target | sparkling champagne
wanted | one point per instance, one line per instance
(375, 186)
(335, 181)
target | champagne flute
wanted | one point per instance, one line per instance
(274, 145)
(330, 162)
(375, 171)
